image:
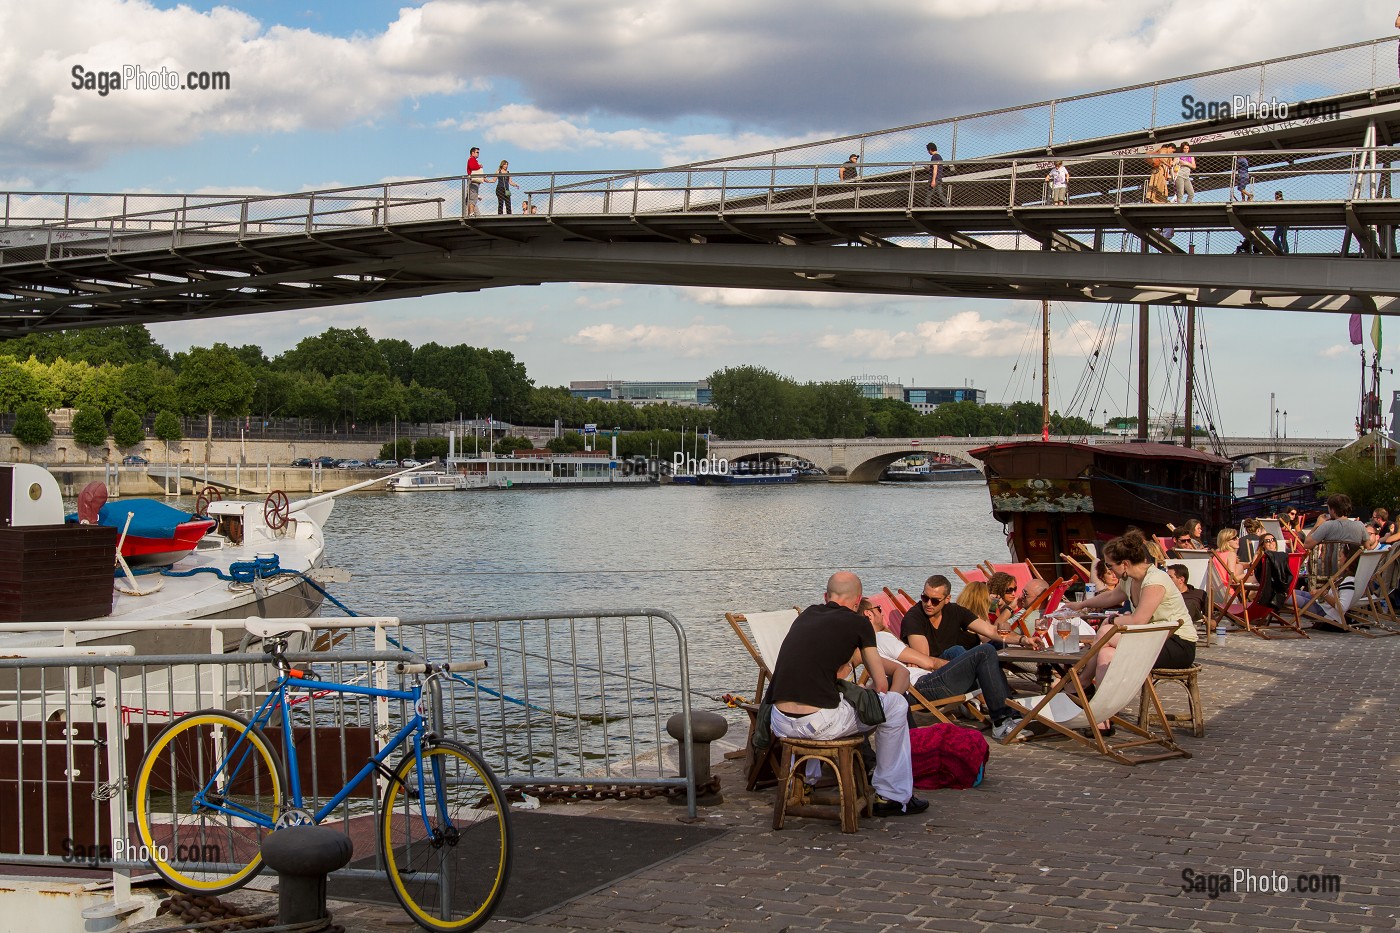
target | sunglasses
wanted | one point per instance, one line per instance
(931, 600)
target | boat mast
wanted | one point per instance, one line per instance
(1190, 370)
(1142, 373)
(1045, 369)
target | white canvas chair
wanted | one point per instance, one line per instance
(763, 639)
(1067, 708)
(1370, 605)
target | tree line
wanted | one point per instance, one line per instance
(118, 379)
(752, 402)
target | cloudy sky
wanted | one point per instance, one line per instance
(327, 94)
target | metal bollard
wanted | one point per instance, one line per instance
(705, 727)
(302, 856)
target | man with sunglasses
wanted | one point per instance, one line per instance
(934, 625)
(807, 701)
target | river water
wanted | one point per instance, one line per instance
(696, 551)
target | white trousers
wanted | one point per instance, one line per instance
(894, 771)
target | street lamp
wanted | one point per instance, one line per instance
(1285, 424)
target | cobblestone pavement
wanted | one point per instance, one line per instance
(1297, 775)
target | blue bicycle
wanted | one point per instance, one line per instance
(212, 786)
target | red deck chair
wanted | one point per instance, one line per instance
(892, 608)
(1242, 606)
(977, 575)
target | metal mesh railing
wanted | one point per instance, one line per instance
(1321, 175)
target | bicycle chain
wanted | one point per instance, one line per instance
(564, 792)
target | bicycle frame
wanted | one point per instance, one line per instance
(277, 700)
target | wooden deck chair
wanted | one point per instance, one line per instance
(1024, 572)
(891, 608)
(939, 709)
(768, 631)
(1246, 607)
(1339, 585)
(1228, 601)
(1370, 605)
(976, 575)
(1054, 595)
(1067, 708)
(1085, 574)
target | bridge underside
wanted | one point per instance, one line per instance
(755, 250)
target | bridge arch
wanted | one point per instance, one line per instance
(870, 469)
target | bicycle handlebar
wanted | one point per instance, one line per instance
(446, 667)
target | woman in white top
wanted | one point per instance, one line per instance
(1151, 597)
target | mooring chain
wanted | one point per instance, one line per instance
(210, 915)
(556, 792)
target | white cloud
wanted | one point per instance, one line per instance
(528, 127)
(768, 298)
(695, 339)
(1339, 349)
(965, 334)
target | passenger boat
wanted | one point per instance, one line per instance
(537, 469)
(427, 482)
(746, 473)
(929, 473)
(1051, 495)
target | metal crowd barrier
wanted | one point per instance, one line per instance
(569, 698)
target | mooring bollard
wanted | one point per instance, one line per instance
(302, 856)
(705, 728)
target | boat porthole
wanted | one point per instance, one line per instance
(35, 491)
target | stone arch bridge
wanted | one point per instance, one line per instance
(861, 460)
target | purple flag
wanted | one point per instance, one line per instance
(1356, 330)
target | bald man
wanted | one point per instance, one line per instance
(807, 703)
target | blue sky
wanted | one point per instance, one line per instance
(329, 94)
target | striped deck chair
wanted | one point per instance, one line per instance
(1267, 610)
(1335, 589)
(1067, 707)
(1371, 606)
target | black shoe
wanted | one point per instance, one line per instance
(885, 807)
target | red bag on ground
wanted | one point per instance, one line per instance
(946, 755)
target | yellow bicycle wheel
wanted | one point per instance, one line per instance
(448, 850)
(198, 847)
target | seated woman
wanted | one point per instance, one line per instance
(1226, 566)
(977, 599)
(1195, 533)
(1106, 575)
(1151, 597)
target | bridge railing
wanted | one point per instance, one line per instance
(894, 188)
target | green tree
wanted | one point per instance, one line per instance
(508, 444)
(832, 409)
(33, 427)
(89, 427)
(127, 429)
(429, 448)
(401, 450)
(167, 426)
(566, 443)
(215, 381)
(147, 387)
(336, 352)
(752, 402)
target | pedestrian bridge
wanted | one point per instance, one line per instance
(861, 460)
(783, 219)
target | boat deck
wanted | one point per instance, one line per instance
(1295, 775)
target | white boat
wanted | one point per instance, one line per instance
(261, 558)
(546, 469)
(427, 482)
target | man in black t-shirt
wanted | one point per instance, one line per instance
(934, 626)
(808, 704)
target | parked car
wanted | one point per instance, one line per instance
(302, 462)
(325, 461)
(410, 462)
(134, 460)
(351, 464)
(384, 464)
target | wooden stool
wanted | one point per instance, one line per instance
(1187, 678)
(844, 758)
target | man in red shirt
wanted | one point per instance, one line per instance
(475, 176)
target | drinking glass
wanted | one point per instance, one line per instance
(1004, 626)
(1064, 636)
